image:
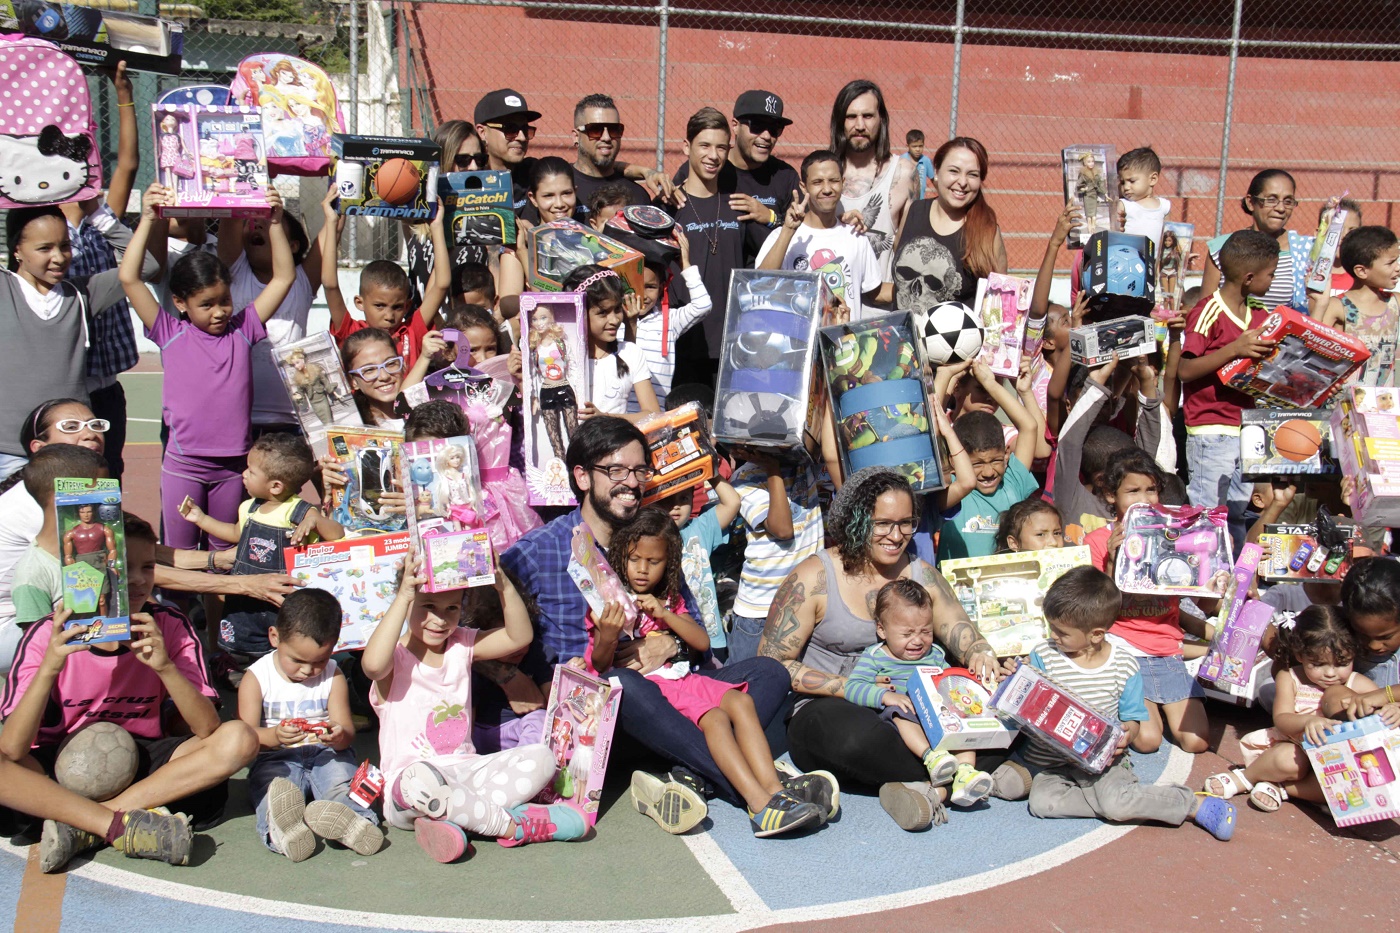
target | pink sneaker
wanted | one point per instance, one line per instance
(534, 823)
(445, 842)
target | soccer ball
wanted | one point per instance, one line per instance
(1127, 273)
(951, 333)
(97, 761)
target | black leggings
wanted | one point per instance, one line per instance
(851, 742)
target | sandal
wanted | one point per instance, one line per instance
(1267, 797)
(1228, 784)
(1216, 816)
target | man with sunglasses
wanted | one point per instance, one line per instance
(505, 124)
(598, 128)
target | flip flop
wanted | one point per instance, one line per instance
(1267, 797)
(1216, 816)
(1229, 784)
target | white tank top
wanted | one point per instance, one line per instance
(282, 699)
(874, 207)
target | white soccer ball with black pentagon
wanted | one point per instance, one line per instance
(951, 333)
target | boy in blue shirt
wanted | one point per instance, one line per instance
(923, 165)
(700, 537)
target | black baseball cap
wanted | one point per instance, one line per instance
(760, 104)
(499, 105)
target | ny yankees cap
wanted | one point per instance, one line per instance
(760, 104)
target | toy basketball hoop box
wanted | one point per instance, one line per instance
(1002, 594)
(1357, 767)
(555, 249)
(1309, 364)
(1094, 344)
(213, 158)
(1059, 717)
(102, 38)
(578, 728)
(361, 573)
(386, 176)
(956, 710)
(1120, 273)
(680, 449)
(1286, 444)
(1174, 551)
(769, 396)
(92, 549)
(480, 208)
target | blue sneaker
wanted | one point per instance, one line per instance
(536, 823)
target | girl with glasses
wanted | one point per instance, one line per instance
(378, 374)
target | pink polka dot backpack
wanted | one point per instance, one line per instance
(48, 145)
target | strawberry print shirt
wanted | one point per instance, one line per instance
(428, 712)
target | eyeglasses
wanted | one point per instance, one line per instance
(594, 131)
(618, 473)
(1273, 201)
(392, 366)
(761, 125)
(74, 425)
(512, 130)
(884, 526)
(464, 162)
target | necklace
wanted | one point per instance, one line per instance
(713, 239)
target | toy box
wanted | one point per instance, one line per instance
(1120, 273)
(101, 37)
(370, 460)
(1173, 262)
(595, 578)
(647, 229)
(1285, 444)
(1002, 594)
(1091, 183)
(1324, 250)
(213, 158)
(362, 573)
(553, 383)
(464, 388)
(1174, 551)
(1293, 553)
(386, 176)
(299, 108)
(204, 95)
(1309, 364)
(1243, 621)
(874, 374)
(956, 711)
(1095, 344)
(578, 728)
(768, 396)
(317, 384)
(92, 543)
(1243, 695)
(1356, 767)
(555, 249)
(680, 449)
(1363, 417)
(447, 512)
(1003, 304)
(480, 208)
(1059, 717)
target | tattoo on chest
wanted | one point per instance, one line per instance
(856, 186)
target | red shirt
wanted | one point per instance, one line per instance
(1209, 326)
(1151, 624)
(408, 336)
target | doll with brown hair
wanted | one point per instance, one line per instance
(1090, 189)
(311, 386)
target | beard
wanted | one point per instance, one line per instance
(612, 511)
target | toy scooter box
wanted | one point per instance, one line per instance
(769, 397)
(1095, 344)
(1120, 273)
(1002, 594)
(386, 176)
(1059, 718)
(578, 728)
(956, 711)
(361, 573)
(1309, 364)
(480, 208)
(681, 452)
(1291, 553)
(1357, 768)
(874, 377)
(1003, 306)
(101, 38)
(1284, 444)
(92, 544)
(1174, 551)
(369, 458)
(555, 249)
(213, 158)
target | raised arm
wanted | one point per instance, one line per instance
(1040, 297)
(284, 268)
(329, 241)
(123, 177)
(1023, 420)
(129, 272)
(517, 632)
(440, 282)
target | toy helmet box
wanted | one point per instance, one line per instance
(1280, 444)
(213, 159)
(956, 710)
(47, 139)
(299, 108)
(101, 38)
(386, 176)
(768, 396)
(479, 207)
(874, 374)
(1309, 364)
(1120, 273)
(555, 249)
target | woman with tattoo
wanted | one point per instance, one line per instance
(824, 617)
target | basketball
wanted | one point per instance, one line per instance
(396, 182)
(1297, 440)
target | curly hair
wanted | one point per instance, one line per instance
(1318, 632)
(851, 516)
(650, 522)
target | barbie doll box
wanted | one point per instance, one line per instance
(447, 511)
(316, 383)
(92, 546)
(553, 384)
(555, 249)
(213, 158)
(1091, 184)
(1003, 306)
(1357, 767)
(1309, 364)
(101, 37)
(1002, 593)
(361, 573)
(578, 728)
(386, 176)
(956, 711)
(479, 207)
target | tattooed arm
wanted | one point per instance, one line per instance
(951, 626)
(799, 605)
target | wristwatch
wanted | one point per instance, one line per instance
(682, 650)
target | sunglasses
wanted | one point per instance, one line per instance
(512, 130)
(74, 425)
(464, 162)
(594, 131)
(392, 366)
(761, 125)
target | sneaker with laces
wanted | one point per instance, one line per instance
(557, 822)
(287, 831)
(941, 765)
(913, 806)
(675, 807)
(158, 835)
(336, 822)
(59, 842)
(443, 841)
(683, 775)
(785, 813)
(970, 786)
(816, 787)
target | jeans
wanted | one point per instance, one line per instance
(744, 636)
(648, 718)
(110, 403)
(322, 772)
(1215, 478)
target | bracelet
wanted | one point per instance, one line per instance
(1389, 695)
(209, 563)
(132, 104)
(957, 454)
(772, 217)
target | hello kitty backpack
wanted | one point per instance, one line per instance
(299, 110)
(48, 143)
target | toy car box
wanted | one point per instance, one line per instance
(316, 384)
(1002, 594)
(1357, 768)
(213, 158)
(1059, 717)
(1120, 273)
(369, 458)
(385, 176)
(769, 397)
(361, 573)
(1309, 364)
(874, 377)
(1287, 444)
(101, 38)
(680, 450)
(1293, 555)
(1003, 307)
(1174, 551)
(1091, 183)
(1094, 344)
(555, 249)
(92, 549)
(479, 207)
(553, 384)
(956, 711)
(578, 728)
(447, 512)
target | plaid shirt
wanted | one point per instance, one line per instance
(113, 341)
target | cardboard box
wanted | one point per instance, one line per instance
(362, 573)
(367, 168)
(1094, 344)
(1172, 267)
(680, 450)
(578, 728)
(1120, 273)
(1302, 431)
(1324, 251)
(1310, 363)
(1059, 717)
(1002, 594)
(553, 383)
(1091, 183)
(370, 459)
(213, 158)
(956, 711)
(1357, 768)
(1243, 695)
(480, 208)
(1174, 551)
(102, 37)
(447, 512)
(1288, 545)
(1243, 621)
(1003, 306)
(555, 249)
(92, 545)
(317, 385)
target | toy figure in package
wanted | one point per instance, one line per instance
(1173, 261)
(316, 384)
(1004, 303)
(554, 382)
(213, 159)
(92, 543)
(448, 511)
(1174, 551)
(1091, 182)
(578, 728)
(369, 459)
(555, 249)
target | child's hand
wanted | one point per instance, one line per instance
(274, 200)
(897, 700)
(1122, 215)
(648, 603)
(1250, 346)
(61, 642)
(684, 245)
(157, 195)
(1081, 308)
(413, 575)
(150, 647)
(328, 204)
(514, 366)
(1115, 541)
(433, 344)
(1390, 715)
(1355, 707)
(983, 373)
(586, 410)
(332, 472)
(305, 527)
(1146, 373)
(631, 306)
(797, 211)
(288, 735)
(336, 734)
(767, 463)
(121, 83)
(1104, 372)
(840, 312)
(612, 621)
(1072, 216)
(1025, 382)
(1315, 728)
(191, 512)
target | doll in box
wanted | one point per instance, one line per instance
(1090, 189)
(172, 157)
(1169, 269)
(311, 386)
(549, 360)
(452, 494)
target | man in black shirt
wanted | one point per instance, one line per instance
(506, 125)
(598, 127)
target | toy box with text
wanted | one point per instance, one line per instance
(213, 159)
(1324, 251)
(1120, 274)
(386, 176)
(447, 511)
(1286, 444)
(1357, 767)
(1094, 344)
(1233, 651)
(595, 578)
(1002, 594)
(1059, 717)
(1364, 429)
(1174, 551)
(1243, 695)
(369, 460)
(92, 549)
(553, 384)
(480, 208)
(1309, 364)
(555, 249)
(578, 728)
(1091, 184)
(101, 37)
(362, 573)
(1173, 263)
(680, 450)
(1003, 306)
(874, 376)
(316, 384)
(1293, 553)
(956, 710)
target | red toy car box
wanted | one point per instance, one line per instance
(1309, 364)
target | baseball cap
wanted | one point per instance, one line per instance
(498, 105)
(761, 104)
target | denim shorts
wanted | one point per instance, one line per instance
(1165, 680)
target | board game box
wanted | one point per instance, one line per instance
(362, 573)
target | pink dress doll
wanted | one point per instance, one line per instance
(507, 516)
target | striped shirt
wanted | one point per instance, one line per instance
(875, 662)
(1114, 689)
(767, 561)
(660, 353)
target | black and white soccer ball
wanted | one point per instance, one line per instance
(950, 333)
